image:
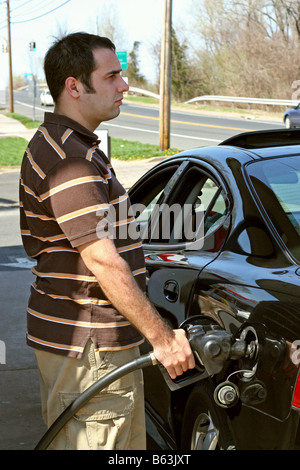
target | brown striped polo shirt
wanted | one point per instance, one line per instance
(69, 195)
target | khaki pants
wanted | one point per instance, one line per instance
(112, 420)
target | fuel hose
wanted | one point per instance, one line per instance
(139, 363)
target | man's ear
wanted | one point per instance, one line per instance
(73, 87)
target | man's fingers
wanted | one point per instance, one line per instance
(178, 357)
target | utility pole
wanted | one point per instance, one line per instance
(165, 79)
(11, 97)
(32, 48)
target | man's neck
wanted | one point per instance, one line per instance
(75, 116)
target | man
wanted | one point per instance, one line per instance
(87, 312)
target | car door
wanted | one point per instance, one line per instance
(184, 226)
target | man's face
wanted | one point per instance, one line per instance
(104, 104)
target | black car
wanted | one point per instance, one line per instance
(221, 234)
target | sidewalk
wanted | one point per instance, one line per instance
(11, 127)
(21, 425)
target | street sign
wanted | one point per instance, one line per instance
(105, 141)
(27, 76)
(122, 56)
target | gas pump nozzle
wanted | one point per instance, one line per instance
(212, 347)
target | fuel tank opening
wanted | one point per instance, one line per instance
(248, 389)
(248, 363)
(226, 394)
(213, 346)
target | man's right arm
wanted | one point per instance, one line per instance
(171, 347)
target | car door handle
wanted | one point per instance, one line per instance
(171, 290)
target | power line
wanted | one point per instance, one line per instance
(32, 8)
(13, 20)
(40, 16)
(20, 6)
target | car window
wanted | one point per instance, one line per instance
(144, 217)
(194, 214)
(277, 184)
(146, 196)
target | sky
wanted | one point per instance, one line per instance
(41, 20)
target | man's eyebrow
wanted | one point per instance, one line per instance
(114, 72)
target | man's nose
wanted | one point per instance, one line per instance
(123, 85)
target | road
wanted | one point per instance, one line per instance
(141, 123)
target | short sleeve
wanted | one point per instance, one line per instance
(76, 194)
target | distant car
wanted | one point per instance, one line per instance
(227, 257)
(46, 98)
(291, 117)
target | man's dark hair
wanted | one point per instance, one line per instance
(72, 56)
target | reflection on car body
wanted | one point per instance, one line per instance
(245, 279)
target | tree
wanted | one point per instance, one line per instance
(180, 68)
(185, 76)
(108, 25)
(248, 47)
(134, 75)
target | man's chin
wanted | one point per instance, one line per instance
(113, 115)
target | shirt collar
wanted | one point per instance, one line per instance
(54, 118)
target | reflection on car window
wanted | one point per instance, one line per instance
(215, 214)
(277, 183)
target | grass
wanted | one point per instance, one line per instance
(141, 99)
(12, 150)
(130, 150)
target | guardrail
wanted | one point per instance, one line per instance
(229, 99)
(144, 92)
(248, 101)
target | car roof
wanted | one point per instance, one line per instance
(263, 139)
(266, 144)
(250, 146)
